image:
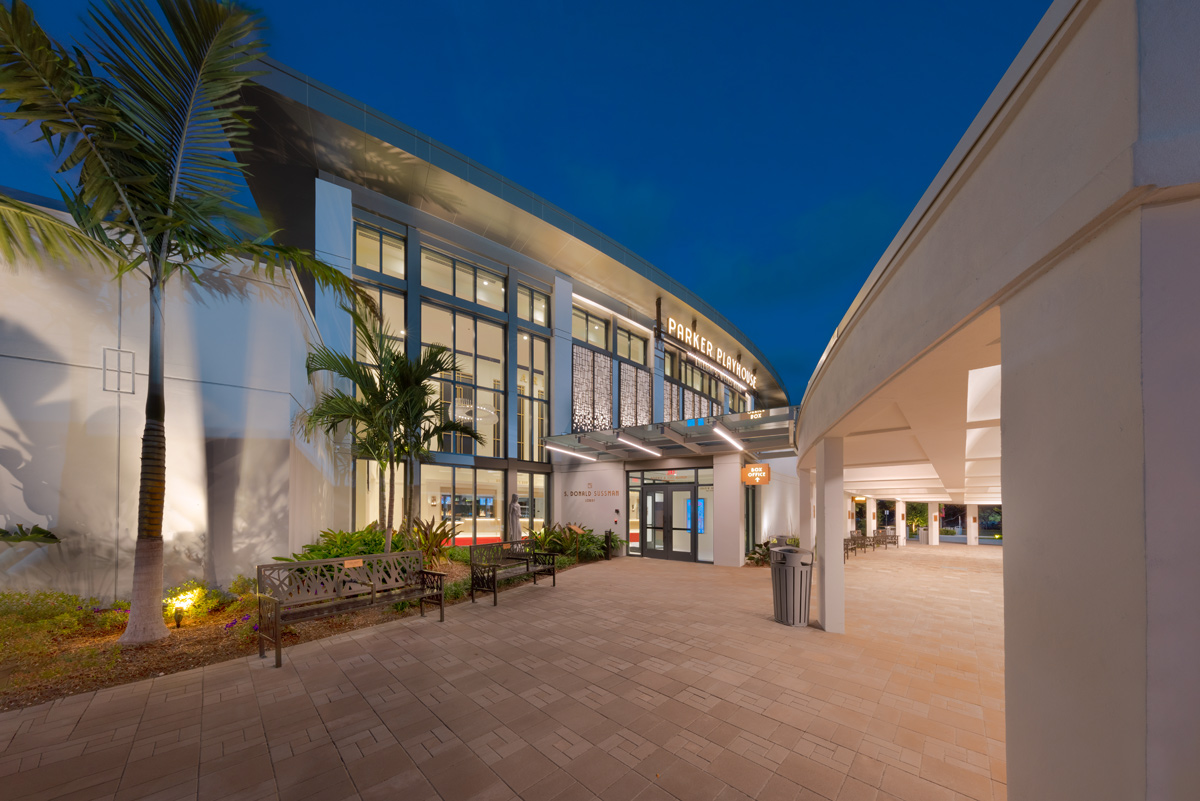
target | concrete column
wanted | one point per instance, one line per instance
(831, 531)
(935, 524)
(806, 530)
(560, 359)
(972, 524)
(333, 242)
(901, 523)
(729, 514)
(1074, 423)
(872, 509)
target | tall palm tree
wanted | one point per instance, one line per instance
(146, 124)
(394, 411)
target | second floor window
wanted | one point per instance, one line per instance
(533, 306)
(589, 328)
(462, 279)
(631, 346)
(378, 251)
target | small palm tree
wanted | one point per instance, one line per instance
(394, 411)
(147, 127)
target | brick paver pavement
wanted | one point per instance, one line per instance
(633, 679)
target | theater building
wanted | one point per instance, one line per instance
(563, 338)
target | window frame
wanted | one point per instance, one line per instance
(460, 265)
(526, 314)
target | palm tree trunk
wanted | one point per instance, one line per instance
(382, 513)
(145, 612)
(410, 490)
(387, 540)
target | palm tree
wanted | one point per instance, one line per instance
(146, 127)
(394, 411)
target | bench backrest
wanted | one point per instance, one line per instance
(324, 579)
(495, 553)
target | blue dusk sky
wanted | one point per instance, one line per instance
(764, 154)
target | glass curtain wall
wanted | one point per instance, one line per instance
(700, 505)
(378, 251)
(533, 408)
(473, 500)
(474, 393)
(533, 493)
(367, 483)
(461, 279)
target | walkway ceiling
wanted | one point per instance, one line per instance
(932, 433)
(763, 434)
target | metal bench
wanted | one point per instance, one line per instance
(493, 562)
(293, 591)
(886, 537)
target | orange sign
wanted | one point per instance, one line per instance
(756, 474)
(352, 563)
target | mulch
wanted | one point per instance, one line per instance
(101, 662)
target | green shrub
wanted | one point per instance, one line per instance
(761, 554)
(949, 532)
(459, 553)
(548, 539)
(433, 539)
(332, 544)
(243, 586)
(457, 589)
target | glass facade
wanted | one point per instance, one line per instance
(688, 507)
(461, 279)
(533, 492)
(533, 306)
(463, 306)
(590, 328)
(533, 393)
(473, 500)
(474, 393)
(378, 251)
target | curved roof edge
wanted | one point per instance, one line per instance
(324, 99)
(1043, 34)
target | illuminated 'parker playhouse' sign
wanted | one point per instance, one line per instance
(705, 347)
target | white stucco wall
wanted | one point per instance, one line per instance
(780, 513)
(69, 451)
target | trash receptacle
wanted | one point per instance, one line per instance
(608, 544)
(791, 584)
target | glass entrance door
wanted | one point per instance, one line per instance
(670, 521)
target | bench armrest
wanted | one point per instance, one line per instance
(432, 579)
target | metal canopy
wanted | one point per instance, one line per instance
(764, 433)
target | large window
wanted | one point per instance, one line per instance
(367, 485)
(472, 499)
(378, 252)
(533, 408)
(631, 346)
(474, 393)
(589, 328)
(462, 279)
(533, 492)
(591, 390)
(533, 306)
(692, 392)
(366, 475)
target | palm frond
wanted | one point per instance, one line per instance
(31, 234)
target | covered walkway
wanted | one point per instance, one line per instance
(632, 679)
